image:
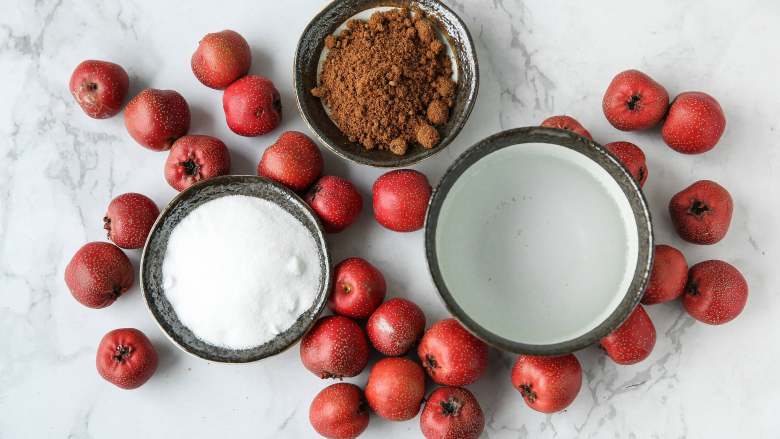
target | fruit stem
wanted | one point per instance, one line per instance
(451, 407)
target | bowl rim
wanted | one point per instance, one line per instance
(322, 248)
(614, 168)
(405, 160)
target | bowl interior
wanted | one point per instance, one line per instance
(539, 241)
(154, 254)
(307, 64)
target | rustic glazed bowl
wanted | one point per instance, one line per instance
(520, 263)
(154, 253)
(307, 63)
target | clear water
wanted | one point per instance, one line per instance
(537, 243)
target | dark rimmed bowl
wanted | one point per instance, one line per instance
(605, 160)
(307, 56)
(154, 253)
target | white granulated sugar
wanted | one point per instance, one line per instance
(239, 270)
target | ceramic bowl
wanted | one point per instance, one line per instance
(307, 63)
(539, 241)
(154, 253)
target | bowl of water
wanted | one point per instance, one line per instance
(539, 241)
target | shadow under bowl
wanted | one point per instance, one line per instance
(539, 241)
(307, 64)
(157, 242)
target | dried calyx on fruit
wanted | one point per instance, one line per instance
(634, 101)
(126, 358)
(701, 213)
(452, 412)
(335, 347)
(98, 274)
(99, 87)
(716, 292)
(194, 158)
(548, 384)
(451, 355)
(129, 218)
(156, 118)
(340, 411)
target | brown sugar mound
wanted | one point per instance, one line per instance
(387, 81)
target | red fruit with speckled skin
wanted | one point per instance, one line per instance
(395, 389)
(401, 200)
(336, 202)
(195, 158)
(221, 58)
(694, 123)
(339, 411)
(452, 413)
(156, 118)
(632, 157)
(395, 326)
(634, 101)
(716, 292)
(335, 347)
(358, 289)
(126, 358)
(129, 219)
(566, 123)
(668, 277)
(99, 87)
(632, 341)
(451, 355)
(701, 213)
(548, 384)
(98, 274)
(252, 106)
(294, 161)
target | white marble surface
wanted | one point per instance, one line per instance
(59, 169)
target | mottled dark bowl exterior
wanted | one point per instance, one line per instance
(307, 57)
(154, 253)
(596, 153)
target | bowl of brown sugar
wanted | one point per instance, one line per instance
(386, 83)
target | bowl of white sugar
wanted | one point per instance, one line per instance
(539, 241)
(236, 269)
